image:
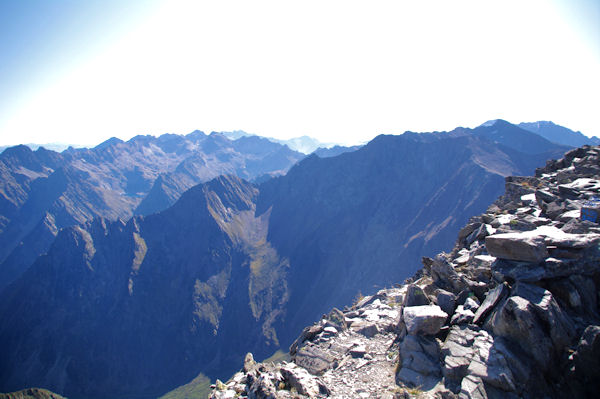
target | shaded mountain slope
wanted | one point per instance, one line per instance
(145, 292)
(334, 151)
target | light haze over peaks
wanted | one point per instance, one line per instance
(340, 71)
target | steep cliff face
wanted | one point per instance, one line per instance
(511, 312)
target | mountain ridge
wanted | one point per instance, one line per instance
(271, 256)
(112, 180)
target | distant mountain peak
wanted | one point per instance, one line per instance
(111, 141)
(559, 134)
(493, 122)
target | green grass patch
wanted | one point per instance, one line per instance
(198, 388)
(278, 357)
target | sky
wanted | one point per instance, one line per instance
(79, 72)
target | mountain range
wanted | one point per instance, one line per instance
(126, 306)
(43, 191)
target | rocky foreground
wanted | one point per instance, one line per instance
(511, 312)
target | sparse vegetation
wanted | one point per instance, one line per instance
(278, 357)
(199, 387)
(415, 391)
(359, 297)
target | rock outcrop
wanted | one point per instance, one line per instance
(511, 312)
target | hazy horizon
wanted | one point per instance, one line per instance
(339, 71)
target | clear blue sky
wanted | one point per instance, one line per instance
(343, 71)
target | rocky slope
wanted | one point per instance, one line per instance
(31, 393)
(511, 312)
(43, 191)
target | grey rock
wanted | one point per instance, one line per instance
(308, 334)
(467, 230)
(305, 383)
(261, 386)
(517, 246)
(358, 351)
(446, 301)
(551, 268)
(314, 359)
(532, 319)
(413, 378)
(564, 291)
(336, 317)
(329, 331)
(586, 359)
(547, 310)
(456, 367)
(470, 351)
(249, 363)
(491, 300)
(587, 292)
(554, 209)
(516, 321)
(471, 303)
(472, 388)
(559, 238)
(443, 274)
(544, 196)
(415, 296)
(480, 233)
(426, 319)
(365, 328)
(577, 226)
(462, 316)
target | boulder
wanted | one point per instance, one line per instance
(586, 360)
(249, 363)
(480, 233)
(551, 268)
(262, 385)
(532, 319)
(469, 351)
(415, 296)
(337, 319)
(446, 301)
(491, 300)
(462, 316)
(427, 319)
(308, 334)
(419, 354)
(472, 388)
(368, 329)
(358, 351)
(314, 359)
(517, 246)
(305, 383)
(443, 274)
(471, 303)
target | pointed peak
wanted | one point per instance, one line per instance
(494, 122)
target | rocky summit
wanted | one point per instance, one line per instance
(511, 312)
